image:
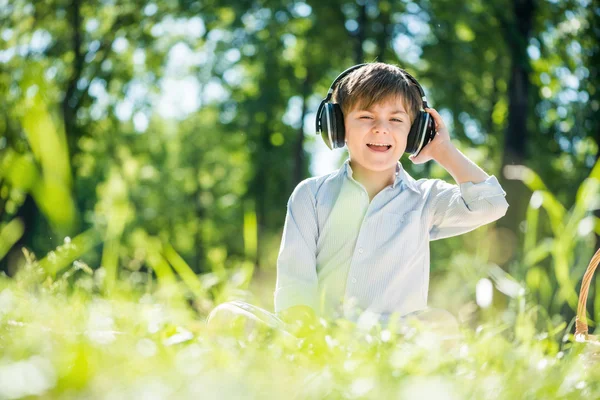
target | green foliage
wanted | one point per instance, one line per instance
(9, 234)
(147, 150)
(86, 107)
(571, 232)
(73, 340)
(45, 173)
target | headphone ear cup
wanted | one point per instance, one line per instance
(339, 130)
(430, 132)
(421, 132)
(414, 138)
(332, 126)
(326, 126)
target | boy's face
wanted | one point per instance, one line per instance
(388, 123)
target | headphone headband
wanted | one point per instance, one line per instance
(339, 77)
(348, 71)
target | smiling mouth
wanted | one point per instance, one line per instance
(379, 149)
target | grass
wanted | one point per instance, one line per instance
(65, 338)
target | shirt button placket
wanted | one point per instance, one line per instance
(353, 279)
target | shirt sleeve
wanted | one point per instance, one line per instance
(297, 282)
(457, 209)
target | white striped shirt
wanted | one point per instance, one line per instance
(342, 255)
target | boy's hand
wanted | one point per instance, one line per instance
(439, 144)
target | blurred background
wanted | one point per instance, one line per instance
(143, 136)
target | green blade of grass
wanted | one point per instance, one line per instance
(9, 235)
(184, 271)
(64, 255)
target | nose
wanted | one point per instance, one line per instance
(380, 127)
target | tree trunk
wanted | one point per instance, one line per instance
(593, 66)
(515, 143)
(517, 34)
(299, 156)
(361, 32)
(262, 190)
(384, 35)
(70, 102)
(490, 128)
(263, 157)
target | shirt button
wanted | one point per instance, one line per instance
(360, 250)
(353, 280)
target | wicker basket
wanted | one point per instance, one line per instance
(581, 327)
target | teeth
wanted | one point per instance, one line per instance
(376, 144)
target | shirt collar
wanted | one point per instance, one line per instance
(401, 175)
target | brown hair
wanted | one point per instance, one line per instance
(374, 83)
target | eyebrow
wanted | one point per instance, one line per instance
(393, 112)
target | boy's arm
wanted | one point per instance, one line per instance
(457, 209)
(460, 167)
(477, 200)
(297, 283)
(442, 150)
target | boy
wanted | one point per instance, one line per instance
(356, 241)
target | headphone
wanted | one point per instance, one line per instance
(330, 120)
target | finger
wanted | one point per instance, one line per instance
(436, 117)
(433, 112)
(415, 159)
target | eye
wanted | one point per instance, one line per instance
(365, 117)
(396, 120)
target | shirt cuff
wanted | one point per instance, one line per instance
(295, 295)
(478, 191)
